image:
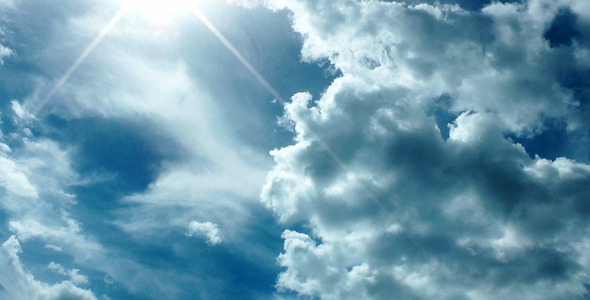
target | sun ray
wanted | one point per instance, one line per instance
(37, 107)
(237, 54)
(277, 96)
(166, 8)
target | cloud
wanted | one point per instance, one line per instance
(35, 174)
(19, 112)
(18, 284)
(134, 146)
(186, 117)
(206, 230)
(392, 206)
(14, 180)
(4, 52)
(7, 3)
(33, 179)
(72, 274)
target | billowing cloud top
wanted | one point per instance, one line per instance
(418, 172)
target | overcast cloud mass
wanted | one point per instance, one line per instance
(426, 150)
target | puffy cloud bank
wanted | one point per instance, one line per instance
(406, 173)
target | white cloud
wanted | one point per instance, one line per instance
(185, 111)
(7, 3)
(19, 284)
(392, 207)
(396, 210)
(5, 52)
(218, 177)
(206, 230)
(76, 278)
(34, 179)
(14, 179)
(19, 112)
(54, 248)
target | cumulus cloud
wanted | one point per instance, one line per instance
(17, 283)
(206, 230)
(396, 208)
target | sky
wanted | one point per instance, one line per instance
(294, 149)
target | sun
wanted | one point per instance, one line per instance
(160, 8)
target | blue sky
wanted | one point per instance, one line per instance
(310, 149)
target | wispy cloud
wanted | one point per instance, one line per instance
(73, 274)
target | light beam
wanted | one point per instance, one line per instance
(238, 55)
(79, 61)
(273, 92)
